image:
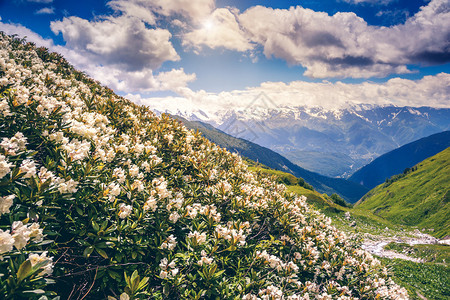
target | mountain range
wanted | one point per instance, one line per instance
(398, 160)
(335, 143)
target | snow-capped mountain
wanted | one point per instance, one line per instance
(331, 142)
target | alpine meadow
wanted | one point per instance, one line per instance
(100, 199)
(225, 150)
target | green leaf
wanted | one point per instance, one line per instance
(24, 270)
(114, 275)
(104, 224)
(127, 279)
(143, 283)
(95, 226)
(134, 275)
(102, 253)
(46, 242)
(79, 211)
(87, 252)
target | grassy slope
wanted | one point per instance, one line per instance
(421, 198)
(365, 220)
(430, 280)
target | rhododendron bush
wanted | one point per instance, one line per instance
(100, 198)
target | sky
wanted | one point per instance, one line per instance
(211, 55)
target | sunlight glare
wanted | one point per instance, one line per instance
(208, 24)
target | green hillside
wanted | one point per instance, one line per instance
(102, 199)
(419, 197)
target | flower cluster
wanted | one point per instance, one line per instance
(118, 190)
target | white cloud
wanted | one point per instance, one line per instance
(142, 81)
(121, 41)
(430, 91)
(344, 45)
(116, 77)
(221, 29)
(134, 9)
(45, 11)
(22, 31)
(40, 1)
(374, 2)
(195, 10)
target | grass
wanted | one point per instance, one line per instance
(429, 253)
(420, 198)
(430, 280)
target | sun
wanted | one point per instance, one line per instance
(208, 24)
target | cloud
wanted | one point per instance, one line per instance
(142, 81)
(146, 9)
(373, 2)
(45, 11)
(344, 45)
(220, 29)
(121, 41)
(40, 1)
(112, 75)
(430, 91)
(23, 31)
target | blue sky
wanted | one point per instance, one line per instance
(198, 49)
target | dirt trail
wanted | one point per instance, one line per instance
(375, 244)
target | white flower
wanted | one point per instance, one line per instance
(36, 232)
(67, 187)
(197, 237)
(174, 217)
(77, 150)
(138, 184)
(174, 272)
(14, 144)
(21, 234)
(169, 138)
(5, 166)
(150, 204)
(6, 241)
(29, 168)
(205, 260)
(163, 263)
(119, 173)
(47, 267)
(170, 243)
(163, 274)
(5, 203)
(124, 210)
(114, 191)
(134, 171)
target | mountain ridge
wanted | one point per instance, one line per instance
(361, 133)
(395, 161)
